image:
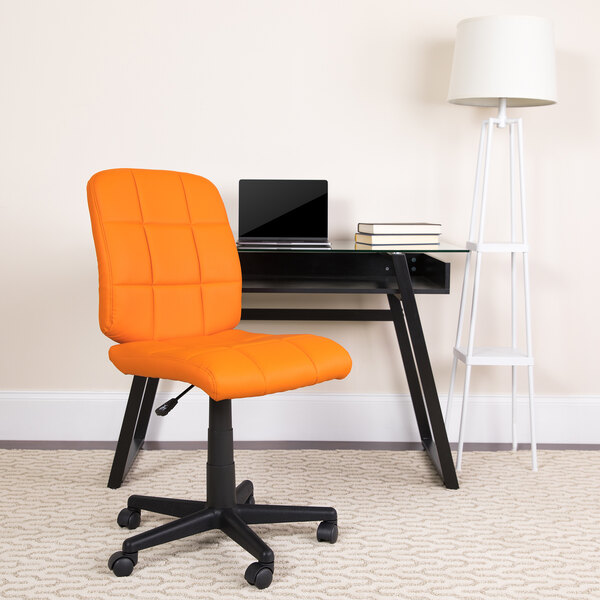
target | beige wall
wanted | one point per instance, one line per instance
(352, 91)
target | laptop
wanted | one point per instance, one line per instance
(283, 213)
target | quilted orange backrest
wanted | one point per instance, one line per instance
(167, 260)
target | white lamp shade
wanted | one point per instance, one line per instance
(508, 57)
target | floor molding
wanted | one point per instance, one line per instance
(95, 418)
(275, 445)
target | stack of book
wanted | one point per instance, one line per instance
(397, 236)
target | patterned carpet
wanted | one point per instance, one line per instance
(508, 533)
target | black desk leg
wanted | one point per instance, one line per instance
(134, 427)
(414, 385)
(420, 375)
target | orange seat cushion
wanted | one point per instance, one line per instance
(235, 363)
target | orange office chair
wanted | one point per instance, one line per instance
(170, 295)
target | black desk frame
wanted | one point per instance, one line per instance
(397, 275)
(366, 273)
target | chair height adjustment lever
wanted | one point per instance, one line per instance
(164, 409)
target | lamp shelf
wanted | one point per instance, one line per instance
(494, 356)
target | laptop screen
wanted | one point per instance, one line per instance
(282, 209)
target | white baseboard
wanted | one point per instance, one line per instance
(96, 416)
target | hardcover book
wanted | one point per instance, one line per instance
(399, 228)
(402, 238)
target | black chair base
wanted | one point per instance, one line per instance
(228, 508)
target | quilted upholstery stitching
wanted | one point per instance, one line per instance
(213, 349)
(307, 356)
(263, 342)
(125, 284)
(169, 224)
(175, 344)
(149, 254)
(120, 318)
(234, 348)
(257, 366)
(187, 206)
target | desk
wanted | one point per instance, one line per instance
(340, 270)
(346, 270)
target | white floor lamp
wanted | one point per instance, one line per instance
(499, 61)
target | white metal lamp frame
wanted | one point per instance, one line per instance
(513, 356)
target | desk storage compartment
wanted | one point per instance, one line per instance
(338, 272)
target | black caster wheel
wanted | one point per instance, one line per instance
(122, 564)
(129, 517)
(259, 575)
(250, 500)
(327, 531)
